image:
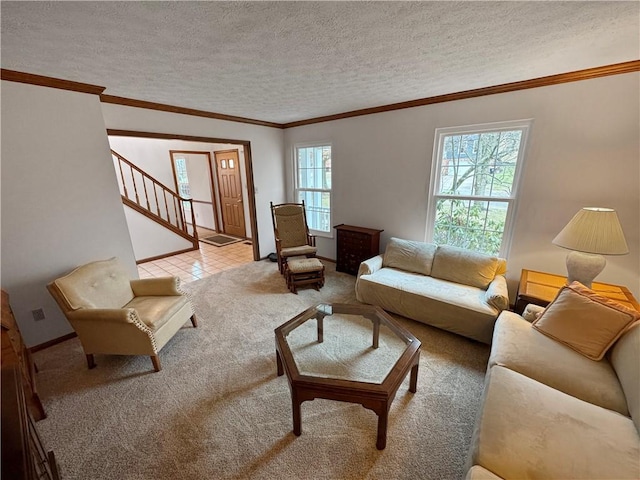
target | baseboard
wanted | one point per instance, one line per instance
(53, 342)
(165, 255)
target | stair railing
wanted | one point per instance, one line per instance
(152, 198)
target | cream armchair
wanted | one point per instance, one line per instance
(117, 316)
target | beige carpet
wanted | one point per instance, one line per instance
(217, 410)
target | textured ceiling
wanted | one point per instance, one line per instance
(287, 61)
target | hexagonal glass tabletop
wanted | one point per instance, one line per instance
(347, 350)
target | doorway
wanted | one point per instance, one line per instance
(244, 148)
(230, 193)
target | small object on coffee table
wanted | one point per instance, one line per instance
(351, 353)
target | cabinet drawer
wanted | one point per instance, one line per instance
(354, 245)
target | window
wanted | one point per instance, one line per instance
(184, 190)
(313, 184)
(474, 185)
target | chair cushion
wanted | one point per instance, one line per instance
(291, 226)
(303, 265)
(296, 251)
(155, 311)
(464, 266)
(409, 256)
(584, 321)
(100, 284)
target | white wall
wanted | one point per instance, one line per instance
(266, 151)
(150, 239)
(583, 151)
(60, 201)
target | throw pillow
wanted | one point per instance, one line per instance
(583, 320)
(409, 255)
(463, 266)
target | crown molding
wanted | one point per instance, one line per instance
(587, 74)
(41, 80)
(172, 136)
(129, 102)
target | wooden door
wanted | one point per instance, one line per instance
(230, 193)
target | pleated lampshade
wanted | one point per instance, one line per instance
(593, 230)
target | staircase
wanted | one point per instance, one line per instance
(146, 195)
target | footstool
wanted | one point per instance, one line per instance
(304, 271)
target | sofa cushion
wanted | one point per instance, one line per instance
(519, 347)
(585, 321)
(529, 430)
(410, 256)
(451, 306)
(464, 266)
(625, 358)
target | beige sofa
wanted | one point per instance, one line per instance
(447, 287)
(551, 412)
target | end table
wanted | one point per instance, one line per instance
(541, 288)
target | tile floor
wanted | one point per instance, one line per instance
(198, 264)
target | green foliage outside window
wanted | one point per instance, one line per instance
(477, 172)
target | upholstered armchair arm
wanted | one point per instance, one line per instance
(112, 331)
(370, 266)
(162, 286)
(497, 294)
(113, 315)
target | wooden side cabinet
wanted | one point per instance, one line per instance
(23, 454)
(15, 352)
(355, 245)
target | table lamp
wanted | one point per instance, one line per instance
(591, 233)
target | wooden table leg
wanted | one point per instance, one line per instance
(320, 320)
(381, 441)
(297, 421)
(413, 381)
(279, 364)
(376, 332)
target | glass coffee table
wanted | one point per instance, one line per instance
(346, 352)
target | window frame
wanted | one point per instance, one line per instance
(297, 189)
(525, 125)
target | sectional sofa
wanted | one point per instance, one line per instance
(562, 395)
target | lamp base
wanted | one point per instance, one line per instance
(584, 267)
